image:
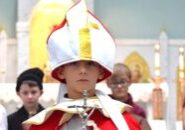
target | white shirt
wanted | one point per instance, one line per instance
(3, 118)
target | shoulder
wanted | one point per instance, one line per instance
(139, 110)
(138, 118)
(142, 121)
(138, 107)
(131, 121)
(16, 114)
(41, 107)
(12, 116)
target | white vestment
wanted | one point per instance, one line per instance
(3, 118)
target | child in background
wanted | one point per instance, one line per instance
(29, 88)
(119, 83)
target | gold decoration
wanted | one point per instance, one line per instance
(136, 61)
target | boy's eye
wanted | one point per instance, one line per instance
(33, 92)
(74, 63)
(25, 93)
(90, 63)
(121, 82)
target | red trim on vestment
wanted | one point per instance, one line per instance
(101, 121)
(51, 123)
(105, 123)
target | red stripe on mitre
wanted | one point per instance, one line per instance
(56, 27)
(61, 25)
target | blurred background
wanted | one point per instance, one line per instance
(150, 39)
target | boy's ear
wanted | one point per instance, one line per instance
(102, 73)
(60, 73)
(17, 93)
(41, 92)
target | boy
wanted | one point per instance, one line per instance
(81, 54)
(29, 88)
(119, 83)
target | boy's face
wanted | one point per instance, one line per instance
(119, 86)
(79, 76)
(29, 95)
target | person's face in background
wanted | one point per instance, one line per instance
(29, 94)
(119, 85)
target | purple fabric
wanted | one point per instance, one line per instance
(136, 108)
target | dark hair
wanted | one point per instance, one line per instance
(31, 76)
(120, 68)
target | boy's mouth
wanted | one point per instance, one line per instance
(83, 80)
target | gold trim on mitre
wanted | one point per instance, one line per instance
(85, 43)
(83, 26)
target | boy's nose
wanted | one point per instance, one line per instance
(119, 85)
(30, 95)
(83, 69)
